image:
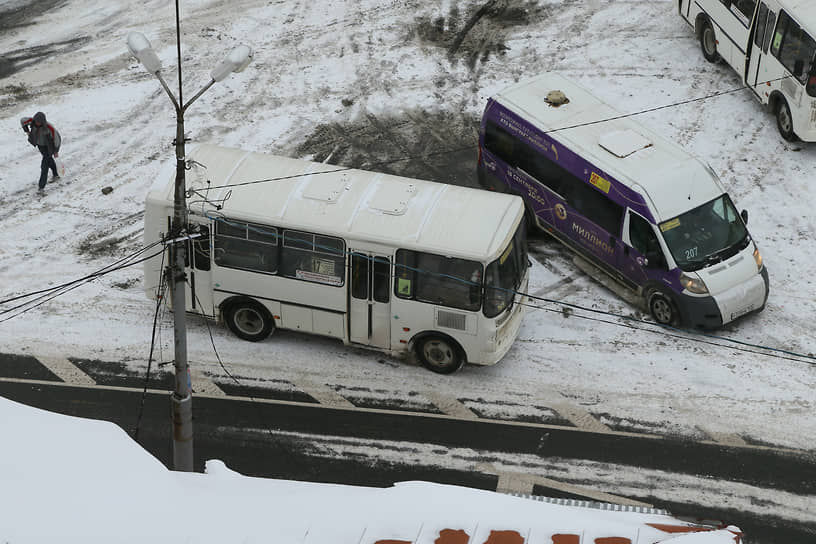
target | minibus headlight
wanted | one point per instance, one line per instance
(757, 258)
(693, 285)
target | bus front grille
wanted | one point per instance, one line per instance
(451, 320)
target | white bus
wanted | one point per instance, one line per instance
(375, 260)
(770, 44)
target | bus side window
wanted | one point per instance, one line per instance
(381, 279)
(518, 154)
(795, 49)
(437, 279)
(359, 276)
(644, 240)
(594, 205)
(404, 274)
(746, 8)
(313, 257)
(759, 36)
(499, 142)
(246, 246)
(781, 26)
(769, 30)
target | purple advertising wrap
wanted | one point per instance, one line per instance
(605, 247)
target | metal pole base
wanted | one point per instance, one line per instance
(182, 433)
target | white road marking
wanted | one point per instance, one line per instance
(515, 482)
(204, 385)
(323, 394)
(407, 413)
(66, 370)
(450, 406)
(728, 439)
(579, 417)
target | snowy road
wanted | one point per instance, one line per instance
(381, 85)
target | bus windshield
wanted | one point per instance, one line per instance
(705, 235)
(503, 276)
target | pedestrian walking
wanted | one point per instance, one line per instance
(43, 136)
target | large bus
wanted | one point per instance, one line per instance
(375, 260)
(636, 206)
(771, 46)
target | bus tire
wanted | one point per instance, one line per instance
(439, 354)
(663, 308)
(784, 121)
(708, 42)
(249, 320)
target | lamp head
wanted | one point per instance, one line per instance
(236, 60)
(140, 48)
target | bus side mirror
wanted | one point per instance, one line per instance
(744, 215)
(798, 67)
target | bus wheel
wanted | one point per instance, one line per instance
(663, 309)
(249, 320)
(784, 121)
(708, 43)
(439, 354)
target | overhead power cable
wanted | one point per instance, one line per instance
(470, 147)
(46, 295)
(159, 299)
(696, 335)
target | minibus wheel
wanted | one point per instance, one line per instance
(439, 354)
(663, 309)
(784, 121)
(249, 320)
(708, 42)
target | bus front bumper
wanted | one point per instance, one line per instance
(712, 312)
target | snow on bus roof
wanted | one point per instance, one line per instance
(73, 480)
(363, 205)
(670, 177)
(803, 11)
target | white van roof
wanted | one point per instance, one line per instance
(665, 174)
(355, 204)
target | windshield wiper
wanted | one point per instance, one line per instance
(714, 258)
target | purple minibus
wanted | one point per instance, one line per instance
(638, 207)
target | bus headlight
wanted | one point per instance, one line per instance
(757, 258)
(693, 285)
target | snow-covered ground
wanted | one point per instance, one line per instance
(367, 82)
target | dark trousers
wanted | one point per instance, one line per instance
(46, 164)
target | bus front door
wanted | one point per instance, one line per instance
(370, 299)
(197, 271)
(757, 72)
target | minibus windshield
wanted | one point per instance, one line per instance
(705, 235)
(504, 275)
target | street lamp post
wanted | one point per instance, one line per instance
(182, 399)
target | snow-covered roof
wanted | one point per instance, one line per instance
(661, 170)
(355, 204)
(72, 480)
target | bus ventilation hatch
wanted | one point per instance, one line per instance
(623, 143)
